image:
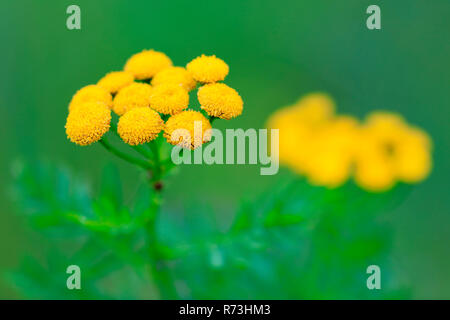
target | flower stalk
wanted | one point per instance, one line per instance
(157, 266)
(124, 156)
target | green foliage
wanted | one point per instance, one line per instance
(295, 242)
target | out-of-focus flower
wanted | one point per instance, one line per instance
(297, 125)
(374, 172)
(139, 125)
(219, 100)
(332, 152)
(91, 93)
(391, 150)
(135, 95)
(413, 162)
(169, 98)
(329, 149)
(175, 75)
(116, 80)
(314, 108)
(145, 64)
(208, 69)
(191, 123)
(88, 122)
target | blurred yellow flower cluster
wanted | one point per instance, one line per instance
(151, 95)
(329, 148)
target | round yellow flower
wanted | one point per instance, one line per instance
(374, 172)
(298, 125)
(116, 80)
(175, 75)
(135, 95)
(91, 93)
(221, 101)
(330, 169)
(189, 129)
(145, 64)
(332, 152)
(292, 135)
(386, 125)
(390, 147)
(314, 107)
(376, 149)
(208, 69)
(169, 98)
(413, 159)
(88, 122)
(385, 119)
(139, 125)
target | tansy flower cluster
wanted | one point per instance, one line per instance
(151, 95)
(329, 148)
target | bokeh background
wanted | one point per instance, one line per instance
(277, 51)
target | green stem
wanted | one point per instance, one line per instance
(124, 156)
(158, 266)
(157, 170)
(142, 152)
(211, 119)
(159, 270)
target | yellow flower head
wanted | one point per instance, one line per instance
(145, 64)
(139, 125)
(314, 107)
(401, 151)
(330, 169)
(374, 172)
(298, 125)
(91, 93)
(386, 125)
(116, 80)
(221, 101)
(135, 95)
(292, 135)
(88, 122)
(189, 128)
(208, 69)
(385, 119)
(331, 152)
(175, 75)
(169, 98)
(413, 161)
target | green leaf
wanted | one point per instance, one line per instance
(243, 219)
(111, 187)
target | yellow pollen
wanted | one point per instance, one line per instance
(208, 69)
(169, 98)
(88, 122)
(146, 64)
(91, 93)
(184, 129)
(175, 75)
(116, 80)
(221, 101)
(139, 125)
(136, 95)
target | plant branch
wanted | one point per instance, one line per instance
(158, 266)
(157, 169)
(211, 119)
(141, 163)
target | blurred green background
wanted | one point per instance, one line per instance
(277, 51)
